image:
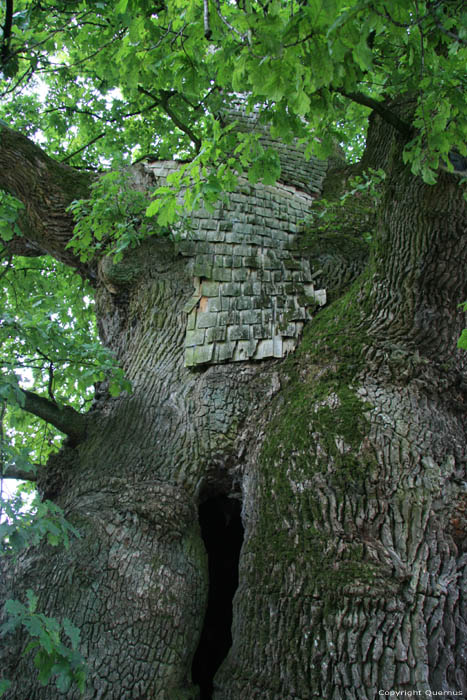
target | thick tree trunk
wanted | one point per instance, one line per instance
(136, 583)
(353, 571)
(348, 459)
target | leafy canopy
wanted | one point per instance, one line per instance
(140, 78)
(49, 342)
(137, 79)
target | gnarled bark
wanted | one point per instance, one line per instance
(354, 560)
(348, 457)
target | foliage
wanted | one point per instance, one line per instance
(49, 341)
(112, 219)
(21, 525)
(141, 78)
(327, 214)
(117, 215)
(213, 173)
(52, 657)
(10, 207)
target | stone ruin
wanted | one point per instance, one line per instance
(253, 292)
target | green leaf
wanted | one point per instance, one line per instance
(121, 6)
(363, 55)
(462, 342)
(153, 208)
(168, 212)
(32, 600)
(63, 682)
(301, 103)
(72, 632)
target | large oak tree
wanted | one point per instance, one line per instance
(327, 489)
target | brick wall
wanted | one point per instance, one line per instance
(252, 290)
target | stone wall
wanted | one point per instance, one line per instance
(252, 291)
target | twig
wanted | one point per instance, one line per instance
(299, 41)
(207, 27)
(82, 60)
(451, 35)
(96, 138)
(13, 88)
(27, 48)
(227, 24)
(50, 385)
(380, 109)
(7, 267)
(102, 117)
(163, 102)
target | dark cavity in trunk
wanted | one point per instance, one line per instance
(222, 532)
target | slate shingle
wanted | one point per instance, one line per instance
(252, 288)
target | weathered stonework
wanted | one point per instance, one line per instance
(252, 293)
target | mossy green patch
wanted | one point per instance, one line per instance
(332, 571)
(315, 441)
(319, 403)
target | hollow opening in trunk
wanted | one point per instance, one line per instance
(222, 532)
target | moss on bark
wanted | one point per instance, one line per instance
(317, 438)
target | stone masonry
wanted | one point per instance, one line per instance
(252, 291)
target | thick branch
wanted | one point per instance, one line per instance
(207, 27)
(64, 418)
(46, 188)
(20, 246)
(389, 116)
(12, 472)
